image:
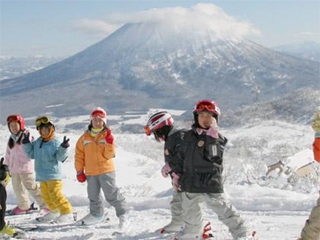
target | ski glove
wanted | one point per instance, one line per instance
(213, 130)
(65, 143)
(81, 177)
(26, 138)
(4, 173)
(166, 170)
(316, 122)
(175, 182)
(109, 137)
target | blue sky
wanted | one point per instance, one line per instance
(63, 28)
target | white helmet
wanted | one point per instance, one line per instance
(157, 122)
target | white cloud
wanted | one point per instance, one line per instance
(94, 27)
(199, 17)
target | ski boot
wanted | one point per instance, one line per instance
(171, 228)
(203, 234)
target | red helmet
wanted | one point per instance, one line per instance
(17, 118)
(157, 121)
(207, 105)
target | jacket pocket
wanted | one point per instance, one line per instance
(213, 153)
(207, 179)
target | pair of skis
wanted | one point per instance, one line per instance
(24, 234)
(43, 227)
(31, 209)
(50, 225)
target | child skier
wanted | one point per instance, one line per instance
(200, 175)
(161, 124)
(48, 155)
(6, 229)
(21, 168)
(94, 154)
(311, 230)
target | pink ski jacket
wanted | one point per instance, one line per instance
(17, 160)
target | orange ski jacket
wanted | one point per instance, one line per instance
(94, 155)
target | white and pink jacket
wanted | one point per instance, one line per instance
(17, 161)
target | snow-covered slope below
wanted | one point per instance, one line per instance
(275, 212)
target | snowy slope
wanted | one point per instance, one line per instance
(275, 213)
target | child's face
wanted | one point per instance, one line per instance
(45, 131)
(205, 119)
(97, 122)
(14, 127)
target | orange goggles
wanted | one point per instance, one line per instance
(98, 113)
(13, 118)
(147, 130)
(42, 120)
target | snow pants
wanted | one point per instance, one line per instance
(176, 208)
(218, 202)
(3, 199)
(311, 230)
(22, 182)
(112, 194)
(51, 192)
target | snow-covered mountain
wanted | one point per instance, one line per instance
(158, 64)
(12, 67)
(307, 50)
(296, 107)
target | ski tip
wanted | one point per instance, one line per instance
(32, 206)
(207, 236)
(80, 223)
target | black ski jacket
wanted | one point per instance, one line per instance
(201, 159)
(171, 148)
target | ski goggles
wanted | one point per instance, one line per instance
(147, 130)
(98, 113)
(44, 120)
(207, 106)
(13, 118)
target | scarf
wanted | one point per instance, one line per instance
(95, 131)
(212, 131)
(17, 137)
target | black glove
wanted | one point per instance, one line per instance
(26, 138)
(65, 143)
(3, 170)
